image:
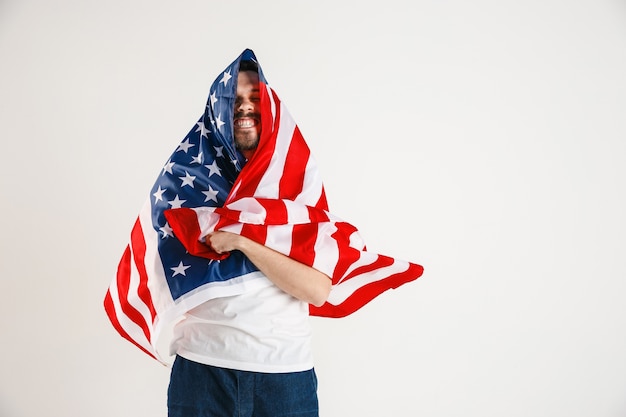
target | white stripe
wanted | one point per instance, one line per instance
(233, 191)
(326, 250)
(252, 211)
(271, 177)
(343, 290)
(279, 238)
(272, 103)
(313, 185)
(207, 220)
(157, 284)
(134, 331)
(233, 228)
(297, 213)
(356, 241)
(133, 295)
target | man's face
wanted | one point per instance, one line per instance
(247, 119)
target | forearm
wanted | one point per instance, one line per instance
(295, 278)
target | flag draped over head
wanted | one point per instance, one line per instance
(276, 198)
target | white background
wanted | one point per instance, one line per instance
(485, 140)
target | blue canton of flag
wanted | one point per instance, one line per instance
(157, 279)
(199, 173)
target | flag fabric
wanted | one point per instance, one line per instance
(276, 198)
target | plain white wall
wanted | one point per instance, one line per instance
(485, 140)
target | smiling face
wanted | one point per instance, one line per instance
(247, 118)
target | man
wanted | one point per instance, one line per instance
(237, 238)
(249, 354)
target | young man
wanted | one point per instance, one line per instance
(228, 239)
(249, 354)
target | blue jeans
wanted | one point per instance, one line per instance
(198, 390)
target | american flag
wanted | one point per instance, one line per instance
(277, 199)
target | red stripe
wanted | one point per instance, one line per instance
(227, 217)
(123, 280)
(292, 180)
(137, 240)
(303, 243)
(258, 233)
(276, 211)
(347, 254)
(322, 203)
(317, 215)
(109, 307)
(367, 293)
(380, 262)
(184, 224)
(250, 176)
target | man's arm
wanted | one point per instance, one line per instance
(293, 277)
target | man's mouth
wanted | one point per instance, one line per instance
(245, 122)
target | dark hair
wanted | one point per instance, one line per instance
(249, 65)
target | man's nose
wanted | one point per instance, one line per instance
(245, 105)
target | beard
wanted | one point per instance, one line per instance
(246, 141)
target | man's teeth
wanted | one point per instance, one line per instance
(245, 123)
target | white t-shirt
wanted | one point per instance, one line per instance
(264, 330)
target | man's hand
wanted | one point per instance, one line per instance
(222, 242)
